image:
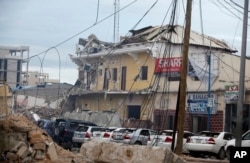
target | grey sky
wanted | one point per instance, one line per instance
(41, 24)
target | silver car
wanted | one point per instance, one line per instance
(138, 136)
(84, 133)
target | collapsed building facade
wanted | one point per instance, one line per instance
(139, 78)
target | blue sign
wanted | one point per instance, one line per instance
(198, 103)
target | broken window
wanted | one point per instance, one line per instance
(123, 78)
(114, 74)
(106, 79)
(144, 73)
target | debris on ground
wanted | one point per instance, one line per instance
(23, 141)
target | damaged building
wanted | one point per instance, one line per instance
(139, 79)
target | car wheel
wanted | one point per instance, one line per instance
(193, 154)
(138, 143)
(221, 154)
(228, 152)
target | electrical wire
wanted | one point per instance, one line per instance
(97, 11)
(86, 29)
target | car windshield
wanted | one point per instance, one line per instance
(82, 128)
(125, 130)
(73, 125)
(97, 129)
(210, 134)
(167, 133)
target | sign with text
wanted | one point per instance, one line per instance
(231, 94)
(198, 103)
(240, 154)
(168, 66)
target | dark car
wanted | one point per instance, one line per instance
(47, 125)
(64, 130)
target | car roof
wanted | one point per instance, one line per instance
(75, 120)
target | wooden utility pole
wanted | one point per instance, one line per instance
(183, 82)
(242, 78)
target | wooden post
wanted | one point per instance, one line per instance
(183, 82)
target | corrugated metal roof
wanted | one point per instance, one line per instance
(175, 35)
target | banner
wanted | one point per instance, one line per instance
(168, 66)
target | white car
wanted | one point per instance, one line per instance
(207, 142)
(245, 142)
(85, 133)
(138, 136)
(165, 138)
(105, 134)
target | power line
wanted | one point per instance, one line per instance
(86, 29)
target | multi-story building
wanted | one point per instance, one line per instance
(139, 78)
(11, 61)
(38, 78)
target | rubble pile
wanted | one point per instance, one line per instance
(101, 151)
(22, 141)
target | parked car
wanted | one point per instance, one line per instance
(138, 136)
(47, 126)
(64, 131)
(85, 133)
(165, 138)
(118, 135)
(207, 142)
(106, 134)
(245, 142)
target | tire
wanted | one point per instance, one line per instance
(193, 154)
(138, 143)
(221, 154)
(228, 152)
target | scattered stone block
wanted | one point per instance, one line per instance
(18, 146)
(11, 156)
(40, 155)
(51, 152)
(35, 134)
(23, 152)
(39, 146)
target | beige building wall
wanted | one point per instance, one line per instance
(6, 100)
(36, 78)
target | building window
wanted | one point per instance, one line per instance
(134, 111)
(144, 73)
(177, 78)
(106, 79)
(114, 74)
(123, 78)
(19, 66)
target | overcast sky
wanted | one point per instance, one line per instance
(41, 24)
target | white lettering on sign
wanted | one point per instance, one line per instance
(240, 154)
(173, 62)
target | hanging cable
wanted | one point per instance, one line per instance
(86, 29)
(97, 12)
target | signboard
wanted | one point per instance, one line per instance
(231, 94)
(168, 66)
(198, 103)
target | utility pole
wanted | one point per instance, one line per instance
(208, 96)
(183, 82)
(242, 78)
